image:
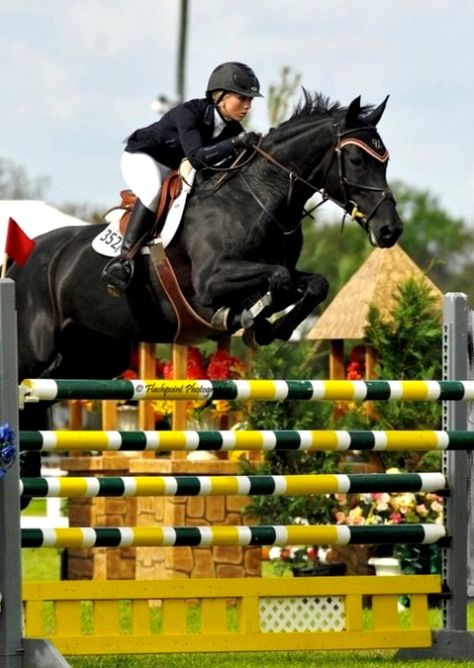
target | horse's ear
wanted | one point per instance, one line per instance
(374, 117)
(352, 113)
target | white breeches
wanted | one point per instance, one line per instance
(144, 176)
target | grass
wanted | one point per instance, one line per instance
(44, 564)
(374, 659)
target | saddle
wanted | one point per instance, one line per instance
(170, 190)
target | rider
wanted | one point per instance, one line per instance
(205, 131)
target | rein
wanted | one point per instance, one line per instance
(349, 206)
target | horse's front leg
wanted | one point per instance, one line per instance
(313, 289)
(281, 293)
(248, 292)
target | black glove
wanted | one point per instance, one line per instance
(246, 139)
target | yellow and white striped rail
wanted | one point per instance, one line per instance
(231, 535)
(257, 390)
(226, 441)
(189, 485)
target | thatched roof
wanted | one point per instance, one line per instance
(374, 283)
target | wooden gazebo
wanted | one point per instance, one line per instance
(375, 283)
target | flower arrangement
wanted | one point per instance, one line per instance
(219, 365)
(294, 557)
(384, 508)
(399, 508)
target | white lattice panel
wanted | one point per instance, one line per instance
(309, 613)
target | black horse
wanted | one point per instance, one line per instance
(235, 253)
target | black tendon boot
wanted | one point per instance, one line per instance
(118, 272)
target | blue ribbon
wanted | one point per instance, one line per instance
(7, 449)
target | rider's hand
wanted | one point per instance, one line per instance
(246, 139)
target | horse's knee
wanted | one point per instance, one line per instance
(318, 287)
(280, 282)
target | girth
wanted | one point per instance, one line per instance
(192, 328)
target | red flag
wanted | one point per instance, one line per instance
(18, 245)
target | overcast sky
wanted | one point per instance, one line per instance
(77, 76)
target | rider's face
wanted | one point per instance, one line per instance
(234, 107)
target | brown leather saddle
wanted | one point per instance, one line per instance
(170, 190)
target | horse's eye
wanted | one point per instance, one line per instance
(355, 159)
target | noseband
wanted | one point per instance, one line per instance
(349, 206)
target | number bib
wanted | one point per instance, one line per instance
(109, 241)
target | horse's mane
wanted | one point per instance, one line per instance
(318, 106)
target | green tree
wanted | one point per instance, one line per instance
(408, 347)
(288, 360)
(440, 245)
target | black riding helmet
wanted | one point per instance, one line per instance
(234, 77)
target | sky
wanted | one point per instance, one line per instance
(78, 76)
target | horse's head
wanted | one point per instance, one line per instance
(357, 177)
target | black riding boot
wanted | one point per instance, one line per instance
(118, 272)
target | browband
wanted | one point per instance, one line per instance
(376, 149)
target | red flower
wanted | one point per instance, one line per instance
(223, 366)
(129, 374)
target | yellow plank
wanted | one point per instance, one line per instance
(67, 618)
(106, 618)
(33, 611)
(230, 587)
(214, 616)
(140, 617)
(353, 612)
(248, 615)
(419, 611)
(385, 612)
(175, 616)
(251, 642)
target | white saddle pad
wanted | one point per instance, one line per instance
(109, 241)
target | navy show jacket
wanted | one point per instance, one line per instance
(185, 132)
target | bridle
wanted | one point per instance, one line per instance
(380, 153)
(348, 205)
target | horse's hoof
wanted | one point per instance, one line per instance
(261, 335)
(264, 333)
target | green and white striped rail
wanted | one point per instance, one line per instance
(231, 535)
(277, 485)
(257, 390)
(226, 441)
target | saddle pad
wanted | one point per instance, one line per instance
(109, 241)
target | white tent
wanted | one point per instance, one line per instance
(34, 217)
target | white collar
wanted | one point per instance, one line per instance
(219, 123)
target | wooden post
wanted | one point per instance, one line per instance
(75, 414)
(109, 415)
(146, 369)
(179, 421)
(336, 360)
(370, 362)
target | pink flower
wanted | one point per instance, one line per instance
(422, 510)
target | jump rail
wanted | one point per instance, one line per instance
(277, 485)
(256, 390)
(188, 441)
